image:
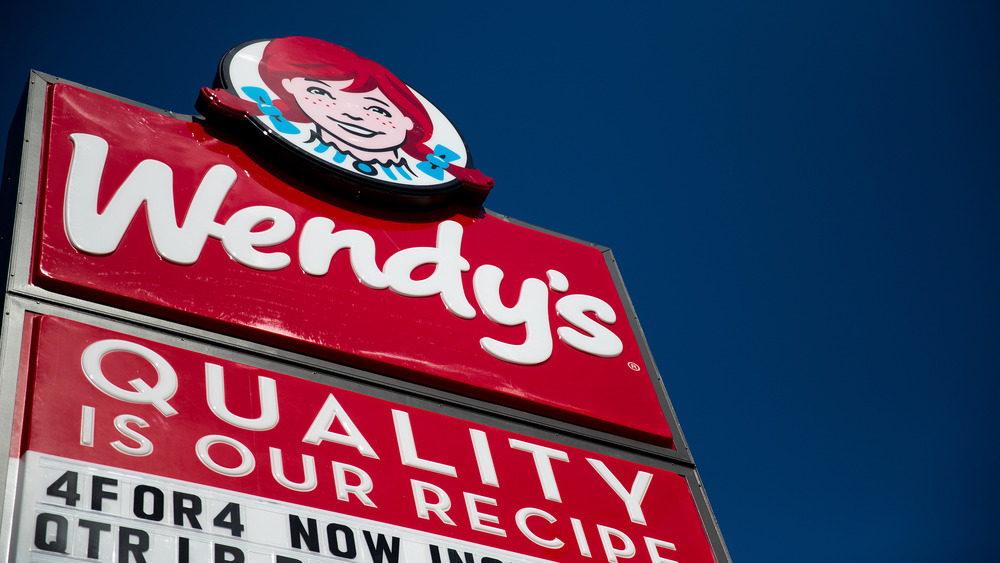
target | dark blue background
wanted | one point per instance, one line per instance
(802, 198)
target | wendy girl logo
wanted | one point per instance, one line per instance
(347, 118)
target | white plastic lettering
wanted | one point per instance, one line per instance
(543, 457)
(247, 461)
(87, 416)
(557, 281)
(484, 459)
(157, 395)
(361, 490)
(531, 310)
(319, 244)
(632, 497)
(592, 337)
(319, 431)
(654, 546)
(613, 553)
(151, 182)
(476, 518)
(581, 538)
(309, 480)
(150, 185)
(424, 507)
(144, 448)
(521, 518)
(241, 241)
(445, 280)
(408, 446)
(216, 395)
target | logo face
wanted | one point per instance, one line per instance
(345, 119)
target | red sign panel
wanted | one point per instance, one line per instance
(159, 215)
(166, 453)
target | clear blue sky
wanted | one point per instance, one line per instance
(802, 198)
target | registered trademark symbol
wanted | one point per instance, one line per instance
(634, 366)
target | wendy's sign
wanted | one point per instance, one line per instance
(227, 337)
(333, 113)
(155, 214)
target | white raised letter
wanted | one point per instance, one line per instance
(476, 518)
(627, 550)
(144, 448)
(543, 464)
(320, 429)
(318, 244)
(247, 461)
(592, 337)
(531, 310)
(654, 554)
(632, 498)
(484, 459)
(216, 396)
(408, 447)
(424, 508)
(87, 426)
(361, 490)
(522, 524)
(158, 395)
(151, 182)
(445, 280)
(308, 470)
(240, 240)
(581, 538)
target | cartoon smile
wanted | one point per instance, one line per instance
(356, 129)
